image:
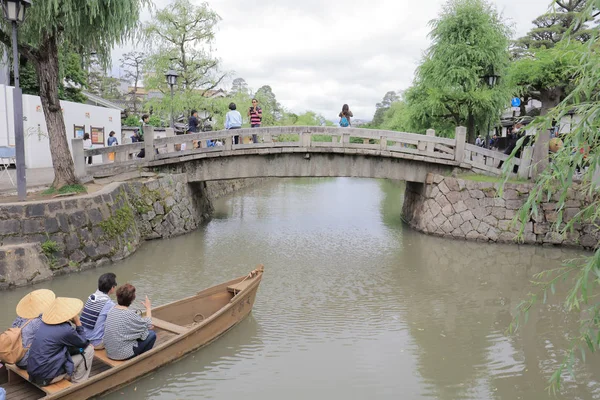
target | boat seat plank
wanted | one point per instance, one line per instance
(50, 389)
(168, 326)
(101, 355)
(238, 287)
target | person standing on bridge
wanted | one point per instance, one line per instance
(345, 116)
(233, 120)
(255, 114)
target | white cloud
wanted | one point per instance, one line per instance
(317, 55)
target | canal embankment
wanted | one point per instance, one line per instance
(458, 208)
(43, 239)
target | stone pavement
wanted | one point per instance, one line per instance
(36, 177)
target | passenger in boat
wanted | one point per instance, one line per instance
(29, 318)
(127, 334)
(58, 351)
(96, 309)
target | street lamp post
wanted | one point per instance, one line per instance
(14, 12)
(172, 80)
(491, 81)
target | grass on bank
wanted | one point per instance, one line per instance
(491, 179)
(65, 190)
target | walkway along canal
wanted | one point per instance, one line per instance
(355, 304)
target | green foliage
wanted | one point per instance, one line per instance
(551, 27)
(83, 24)
(470, 40)
(155, 121)
(49, 247)
(119, 223)
(72, 78)
(547, 74)
(555, 184)
(380, 108)
(77, 188)
(131, 120)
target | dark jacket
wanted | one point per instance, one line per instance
(193, 124)
(49, 356)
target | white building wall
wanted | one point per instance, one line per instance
(37, 146)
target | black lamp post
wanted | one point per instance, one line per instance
(491, 81)
(14, 12)
(172, 80)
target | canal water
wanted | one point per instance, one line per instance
(353, 304)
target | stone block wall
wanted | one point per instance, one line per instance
(96, 229)
(465, 209)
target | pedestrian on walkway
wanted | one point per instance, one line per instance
(345, 116)
(255, 114)
(87, 145)
(233, 120)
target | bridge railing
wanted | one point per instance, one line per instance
(428, 147)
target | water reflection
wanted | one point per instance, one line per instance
(353, 303)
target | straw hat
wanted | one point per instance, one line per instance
(62, 310)
(35, 303)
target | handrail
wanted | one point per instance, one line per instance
(379, 142)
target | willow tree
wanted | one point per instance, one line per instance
(83, 24)
(469, 40)
(581, 149)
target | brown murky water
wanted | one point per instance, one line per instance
(353, 304)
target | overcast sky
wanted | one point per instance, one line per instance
(319, 54)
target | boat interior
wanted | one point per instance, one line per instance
(169, 321)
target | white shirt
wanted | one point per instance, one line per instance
(87, 144)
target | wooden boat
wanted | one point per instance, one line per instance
(181, 327)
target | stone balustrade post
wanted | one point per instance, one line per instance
(345, 139)
(267, 137)
(430, 145)
(461, 140)
(525, 166)
(120, 156)
(78, 157)
(228, 143)
(540, 154)
(170, 132)
(305, 138)
(149, 142)
(383, 143)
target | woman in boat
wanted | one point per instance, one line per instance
(29, 318)
(58, 351)
(127, 334)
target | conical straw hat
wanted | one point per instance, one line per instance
(35, 303)
(62, 310)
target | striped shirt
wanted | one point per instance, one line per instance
(92, 308)
(122, 330)
(255, 115)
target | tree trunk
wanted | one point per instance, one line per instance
(471, 128)
(550, 99)
(46, 66)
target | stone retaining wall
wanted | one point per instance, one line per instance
(72, 234)
(465, 209)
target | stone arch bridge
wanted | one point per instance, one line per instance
(297, 151)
